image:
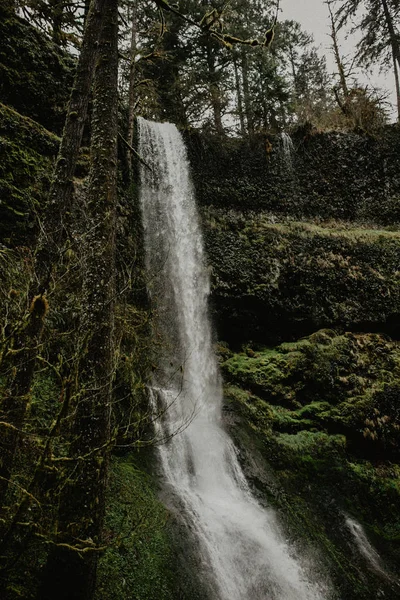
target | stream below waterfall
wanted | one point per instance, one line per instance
(240, 544)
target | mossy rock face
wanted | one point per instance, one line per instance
(323, 413)
(137, 563)
(341, 384)
(328, 175)
(35, 75)
(26, 163)
(276, 280)
(149, 556)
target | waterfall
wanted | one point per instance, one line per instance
(363, 544)
(239, 542)
(287, 149)
(367, 550)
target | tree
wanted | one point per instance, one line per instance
(378, 21)
(78, 537)
(62, 19)
(204, 75)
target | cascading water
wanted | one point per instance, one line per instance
(287, 149)
(368, 551)
(239, 541)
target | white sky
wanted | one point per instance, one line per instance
(314, 17)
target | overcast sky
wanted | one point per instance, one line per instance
(314, 18)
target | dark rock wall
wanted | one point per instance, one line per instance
(27, 151)
(298, 246)
(334, 175)
(275, 281)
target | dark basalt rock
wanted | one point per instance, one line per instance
(274, 281)
(334, 175)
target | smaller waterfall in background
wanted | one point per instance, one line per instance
(287, 151)
(242, 551)
(367, 550)
(363, 543)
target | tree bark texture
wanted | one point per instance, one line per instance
(397, 85)
(239, 97)
(14, 404)
(69, 573)
(339, 64)
(61, 190)
(394, 42)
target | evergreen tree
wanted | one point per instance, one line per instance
(80, 521)
(378, 21)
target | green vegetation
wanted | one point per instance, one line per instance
(27, 150)
(338, 384)
(139, 562)
(280, 280)
(324, 414)
(35, 75)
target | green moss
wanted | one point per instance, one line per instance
(35, 75)
(334, 382)
(309, 445)
(267, 373)
(334, 449)
(45, 402)
(25, 170)
(280, 280)
(138, 564)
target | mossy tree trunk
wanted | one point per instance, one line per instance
(71, 567)
(239, 97)
(132, 84)
(246, 93)
(53, 230)
(397, 84)
(27, 342)
(395, 47)
(215, 91)
(13, 407)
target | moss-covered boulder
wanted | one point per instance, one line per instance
(138, 562)
(341, 384)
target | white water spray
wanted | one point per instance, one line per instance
(238, 541)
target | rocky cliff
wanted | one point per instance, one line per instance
(300, 238)
(304, 236)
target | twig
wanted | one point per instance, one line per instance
(140, 159)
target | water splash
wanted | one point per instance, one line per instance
(240, 544)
